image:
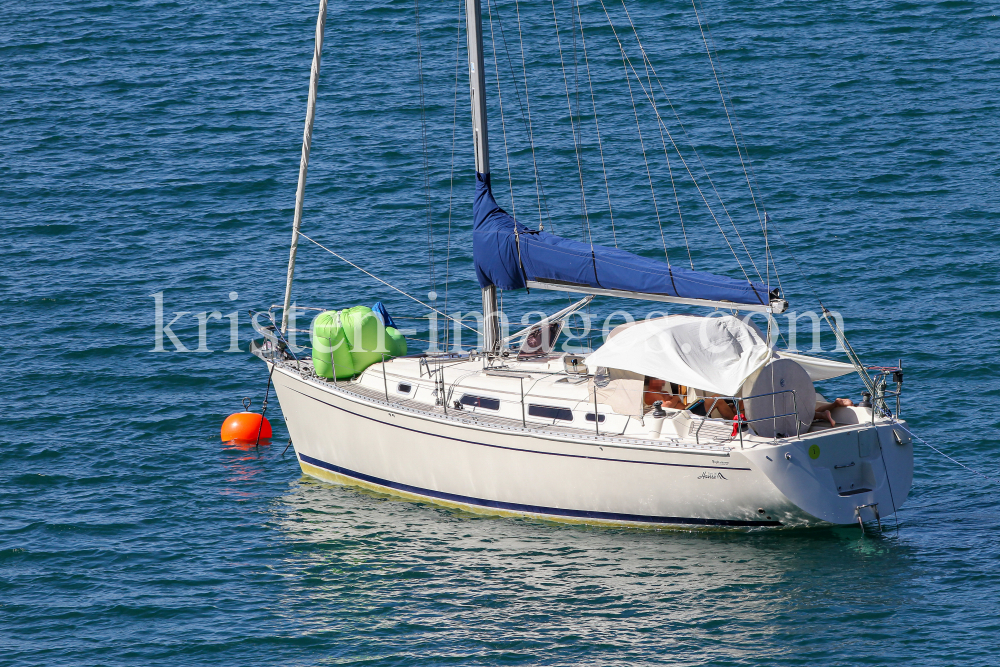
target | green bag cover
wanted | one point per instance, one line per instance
(395, 342)
(367, 337)
(351, 341)
(360, 328)
(330, 347)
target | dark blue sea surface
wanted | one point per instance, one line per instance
(153, 147)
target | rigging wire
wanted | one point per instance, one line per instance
(677, 150)
(503, 127)
(576, 85)
(451, 177)
(768, 253)
(645, 160)
(725, 108)
(670, 171)
(503, 124)
(527, 101)
(686, 136)
(707, 174)
(569, 107)
(539, 188)
(423, 139)
(390, 286)
(597, 125)
(955, 461)
(666, 156)
(765, 219)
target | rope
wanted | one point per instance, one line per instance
(503, 125)
(686, 136)
(768, 254)
(372, 275)
(539, 188)
(527, 100)
(576, 143)
(451, 177)
(423, 139)
(597, 125)
(956, 462)
(674, 144)
(645, 160)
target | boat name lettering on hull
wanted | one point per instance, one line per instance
(712, 475)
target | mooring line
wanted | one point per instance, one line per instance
(955, 461)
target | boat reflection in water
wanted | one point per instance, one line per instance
(408, 580)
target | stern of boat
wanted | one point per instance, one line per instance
(842, 475)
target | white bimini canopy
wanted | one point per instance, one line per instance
(714, 354)
(818, 368)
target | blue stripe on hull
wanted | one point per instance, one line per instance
(529, 509)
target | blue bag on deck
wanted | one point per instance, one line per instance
(383, 314)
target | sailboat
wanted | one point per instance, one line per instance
(517, 428)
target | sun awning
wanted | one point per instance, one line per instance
(715, 354)
(817, 367)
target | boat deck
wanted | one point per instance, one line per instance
(715, 435)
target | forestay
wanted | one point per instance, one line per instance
(715, 354)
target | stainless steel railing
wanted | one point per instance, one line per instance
(879, 382)
(739, 420)
(272, 333)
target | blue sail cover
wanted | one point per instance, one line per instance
(552, 259)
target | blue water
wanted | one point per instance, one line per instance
(153, 147)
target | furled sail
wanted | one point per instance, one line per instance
(512, 261)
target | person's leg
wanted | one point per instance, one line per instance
(822, 415)
(726, 410)
(838, 403)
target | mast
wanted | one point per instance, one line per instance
(300, 191)
(477, 94)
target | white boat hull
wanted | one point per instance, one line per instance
(457, 461)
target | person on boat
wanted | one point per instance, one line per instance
(824, 410)
(666, 392)
(728, 409)
(672, 396)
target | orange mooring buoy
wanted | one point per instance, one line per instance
(245, 426)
